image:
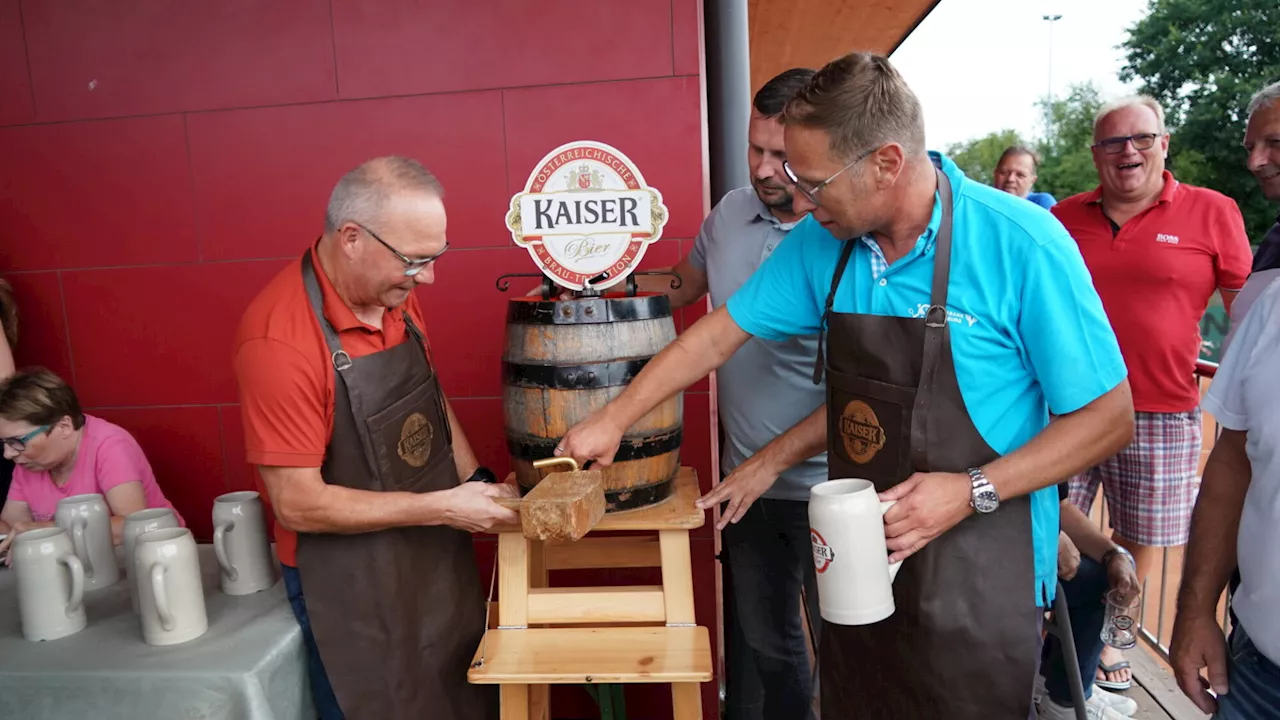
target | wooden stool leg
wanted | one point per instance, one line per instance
(686, 701)
(677, 576)
(513, 580)
(515, 702)
(539, 702)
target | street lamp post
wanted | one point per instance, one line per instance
(1051, 20)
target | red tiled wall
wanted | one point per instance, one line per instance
(159, 161)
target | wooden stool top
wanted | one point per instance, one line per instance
(677, 512)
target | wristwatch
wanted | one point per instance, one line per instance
(483, 474)
(983, 497)
(1117, 550)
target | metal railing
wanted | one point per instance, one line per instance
(1156, 641)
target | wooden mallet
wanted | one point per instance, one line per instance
(563, 505)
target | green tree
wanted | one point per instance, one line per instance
(1203, 59)
(1066, 164)
(978, 157)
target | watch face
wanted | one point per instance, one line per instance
(986, 500)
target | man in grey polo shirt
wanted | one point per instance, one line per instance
(765, 390)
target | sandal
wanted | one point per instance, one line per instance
(1116, 667)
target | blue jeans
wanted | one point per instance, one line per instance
(1253, 681)
(1084, 594)
(322, 692)
(769, 558)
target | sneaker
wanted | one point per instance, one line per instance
(1121, 704)
(1050, 710)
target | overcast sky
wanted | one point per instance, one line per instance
(979, 66)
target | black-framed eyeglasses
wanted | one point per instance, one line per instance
(812, 193)
(412, 266)
(1115, 145)
(19, 444)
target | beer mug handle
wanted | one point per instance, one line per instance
(220, 549)
(893, 567)
(77, 542)
(77, 582)
(162, 599)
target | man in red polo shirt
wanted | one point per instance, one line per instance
(363, 460)
(1157, 250)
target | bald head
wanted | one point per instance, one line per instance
(364, 193)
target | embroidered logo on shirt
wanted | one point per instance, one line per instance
(1165, 238)
(922, 310)
(860, 429)
(415, 440)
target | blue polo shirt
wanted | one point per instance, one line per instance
(1044, 200)
(1028, 333)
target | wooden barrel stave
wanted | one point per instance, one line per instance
(550, 413)
(581, 344)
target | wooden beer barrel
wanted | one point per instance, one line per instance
(565, 359)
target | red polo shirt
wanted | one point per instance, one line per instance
(1155, 276)
(286, 375)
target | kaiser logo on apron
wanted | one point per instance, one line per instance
(860, 429)
(415, 440)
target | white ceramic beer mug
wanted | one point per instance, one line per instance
(170, 595)
(241, 545)
(50, 584)
(135, 524)
(87, 521)
(846, 527)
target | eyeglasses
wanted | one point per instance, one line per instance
(1115, 145)
(19, 444)
(411, 266)
(812, 193)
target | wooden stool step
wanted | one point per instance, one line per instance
(556, 656)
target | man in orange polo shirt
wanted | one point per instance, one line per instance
(1157, 250)
(363, 460)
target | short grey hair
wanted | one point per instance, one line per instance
(1127, 102)
(1264, 98)
(1016, 150)
(362, 193)
(861, 102)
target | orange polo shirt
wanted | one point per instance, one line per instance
(286, 376)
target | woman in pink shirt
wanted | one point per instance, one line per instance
(60, 451)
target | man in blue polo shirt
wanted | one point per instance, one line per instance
(1016, 174)
(957, 320)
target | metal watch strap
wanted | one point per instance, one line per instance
(978, 483)
(1118, 550)
(977, 478)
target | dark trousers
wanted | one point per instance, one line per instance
(769, 559)
(322, 692)
(1253, 679)
(1084, 593)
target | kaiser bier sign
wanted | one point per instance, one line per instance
(586, 210)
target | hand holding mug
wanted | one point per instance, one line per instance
(928, 504)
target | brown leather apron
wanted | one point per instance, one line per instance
(397, 614)
(963, 641)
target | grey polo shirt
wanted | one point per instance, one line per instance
(766, 387)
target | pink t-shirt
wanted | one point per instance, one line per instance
(108, 456)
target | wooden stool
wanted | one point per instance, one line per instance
(608, 634)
